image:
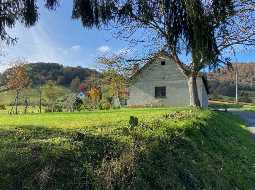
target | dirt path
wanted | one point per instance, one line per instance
(248, 117)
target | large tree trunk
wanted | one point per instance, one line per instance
(40, 101)
(192, 80)
(16, 102)
(26, 105)
(193, 92)
(116, 100)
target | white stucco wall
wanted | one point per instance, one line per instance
(142, 86)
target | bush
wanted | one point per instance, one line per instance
(2, 107)
(133, 121)
(215, 96)
(78, 104)
(104, 105)
(245, 98)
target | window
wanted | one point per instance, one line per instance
(163, 62)
(160, 92)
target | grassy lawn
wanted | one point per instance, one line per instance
(82, 120)
(169, 149)
(7, 97)
(224, 105)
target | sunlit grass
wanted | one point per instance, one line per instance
(170, 148)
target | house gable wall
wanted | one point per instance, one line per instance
(142, 86)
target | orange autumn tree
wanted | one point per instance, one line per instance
(114, 76)
(17, 79)
(94, 95)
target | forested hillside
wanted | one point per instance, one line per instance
(40, 73)
(222, 82)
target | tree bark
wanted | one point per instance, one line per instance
(191, 77)
(40, 101)
(116, 100)
(16, 102)
(193, 91)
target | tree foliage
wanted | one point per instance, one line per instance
(23, 11)
(183, 26)
(75, 84)
(17, 77)
(114, 77)
(40, 73)
(181, 23)
(94, 95)
(200, 29)
(52, 92)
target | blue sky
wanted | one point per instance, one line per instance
(58, 38)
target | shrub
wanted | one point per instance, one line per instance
(78, 104)
(133, 121)
(104, 105)
(245, 98)
(2, 107)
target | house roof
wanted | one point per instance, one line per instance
(162, 53)
(152, 58)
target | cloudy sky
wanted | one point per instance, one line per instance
(58, 38)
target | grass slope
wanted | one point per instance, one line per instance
(7, 97)
(187, 149)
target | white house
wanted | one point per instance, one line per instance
(160, 83)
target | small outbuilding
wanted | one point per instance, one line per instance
(160, 83)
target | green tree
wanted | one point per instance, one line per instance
(52, 92)
(75, 84)
(17, 79)
(113, 79)
(200, 29)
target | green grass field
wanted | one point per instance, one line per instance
(178, 148)
(224, 104)
(7, 97)
(82, 120)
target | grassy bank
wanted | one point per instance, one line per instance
(169, 149)
(230, 105)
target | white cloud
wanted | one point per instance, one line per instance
(34, 44)
(103, 49)
(76, 47)
(124, 51)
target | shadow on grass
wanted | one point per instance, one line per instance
(41, 158)
(203, 152)
(208, 153)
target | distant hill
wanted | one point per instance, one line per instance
(41, 72)
(223, 81)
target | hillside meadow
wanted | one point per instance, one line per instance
(8, 97)
(169, 148)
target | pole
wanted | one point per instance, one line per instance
(40, 100)
(236, 72)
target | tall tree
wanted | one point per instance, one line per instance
(94, 95)
(114, 77)
(17, 79)
(200, 29)
(75, 84)
(52, 92)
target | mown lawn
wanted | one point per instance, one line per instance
(231, 105)
(169, 149)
